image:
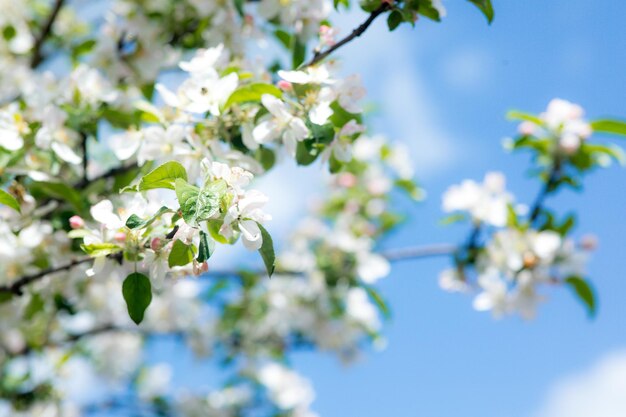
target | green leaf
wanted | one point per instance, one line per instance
(214, 227)
(180, 255)
(411, 188)
(34, 307)
(341, 116)
(10, 201)
(62, 192)
(252, 92)
(585, 293)
(379, 301)
(100, 249)
(486, 7)
(615, 127)
(453, 218)
(239, 7)
(266, 157)
(284, 38)
(83, 48)
(267, 251)
(298, 50)
(394, 19)
(520, 115)
(137, 293)
(206, 247)
(306, 154)
(136, 222)
(163, 176)
(199, 204)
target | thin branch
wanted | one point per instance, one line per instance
(418, 252)
(85, 182)
(551, 182)
(83, 145)
(37, 55)
(17, 287)
(321, 55)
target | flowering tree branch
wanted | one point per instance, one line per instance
(321, 55)
(395, 255)
(37, 55)
(17, 287)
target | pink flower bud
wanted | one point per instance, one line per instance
(155, 244)
(199, 268)
(324, 29)
(76, 222)
(119, 237)
(346, 180)
(589, 242)
(527, 128)
(284, 85)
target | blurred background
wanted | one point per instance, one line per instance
(444, 89)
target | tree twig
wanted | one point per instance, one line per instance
(417, 252)
(17, 287)
(37, 54)
(321, 55)
(83, 145)
(551, 182)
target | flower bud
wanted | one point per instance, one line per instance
(119, 237)
(284, 85)
(527, 128)
(589, 242)
(346, 180)
(76, 222)
(155, 244)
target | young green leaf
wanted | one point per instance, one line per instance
(206, 247)
(163, 176)
(136, 222)
(252, 92)
(520, 115)
(180, 255)
(267, 251)
(10, 201)
(239, 7)
(199, 204)
(137, 293)
(394, 19)
(585, 293)
(379, 301)
(615, 127)
(63, 192)
(486, 7)
(100, 249)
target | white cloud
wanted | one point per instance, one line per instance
(468, 69)
(599, 391)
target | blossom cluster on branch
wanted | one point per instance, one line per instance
(130, 145)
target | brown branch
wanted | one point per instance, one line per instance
(83, 145)
(17, 287)
(321, 55)
(37, 55)
(418, 252)
(85, 182)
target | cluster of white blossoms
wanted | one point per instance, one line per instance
(516, 259)
(563, 120)
(485, 203)
(130, 143)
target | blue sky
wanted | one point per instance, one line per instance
(444, 89)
